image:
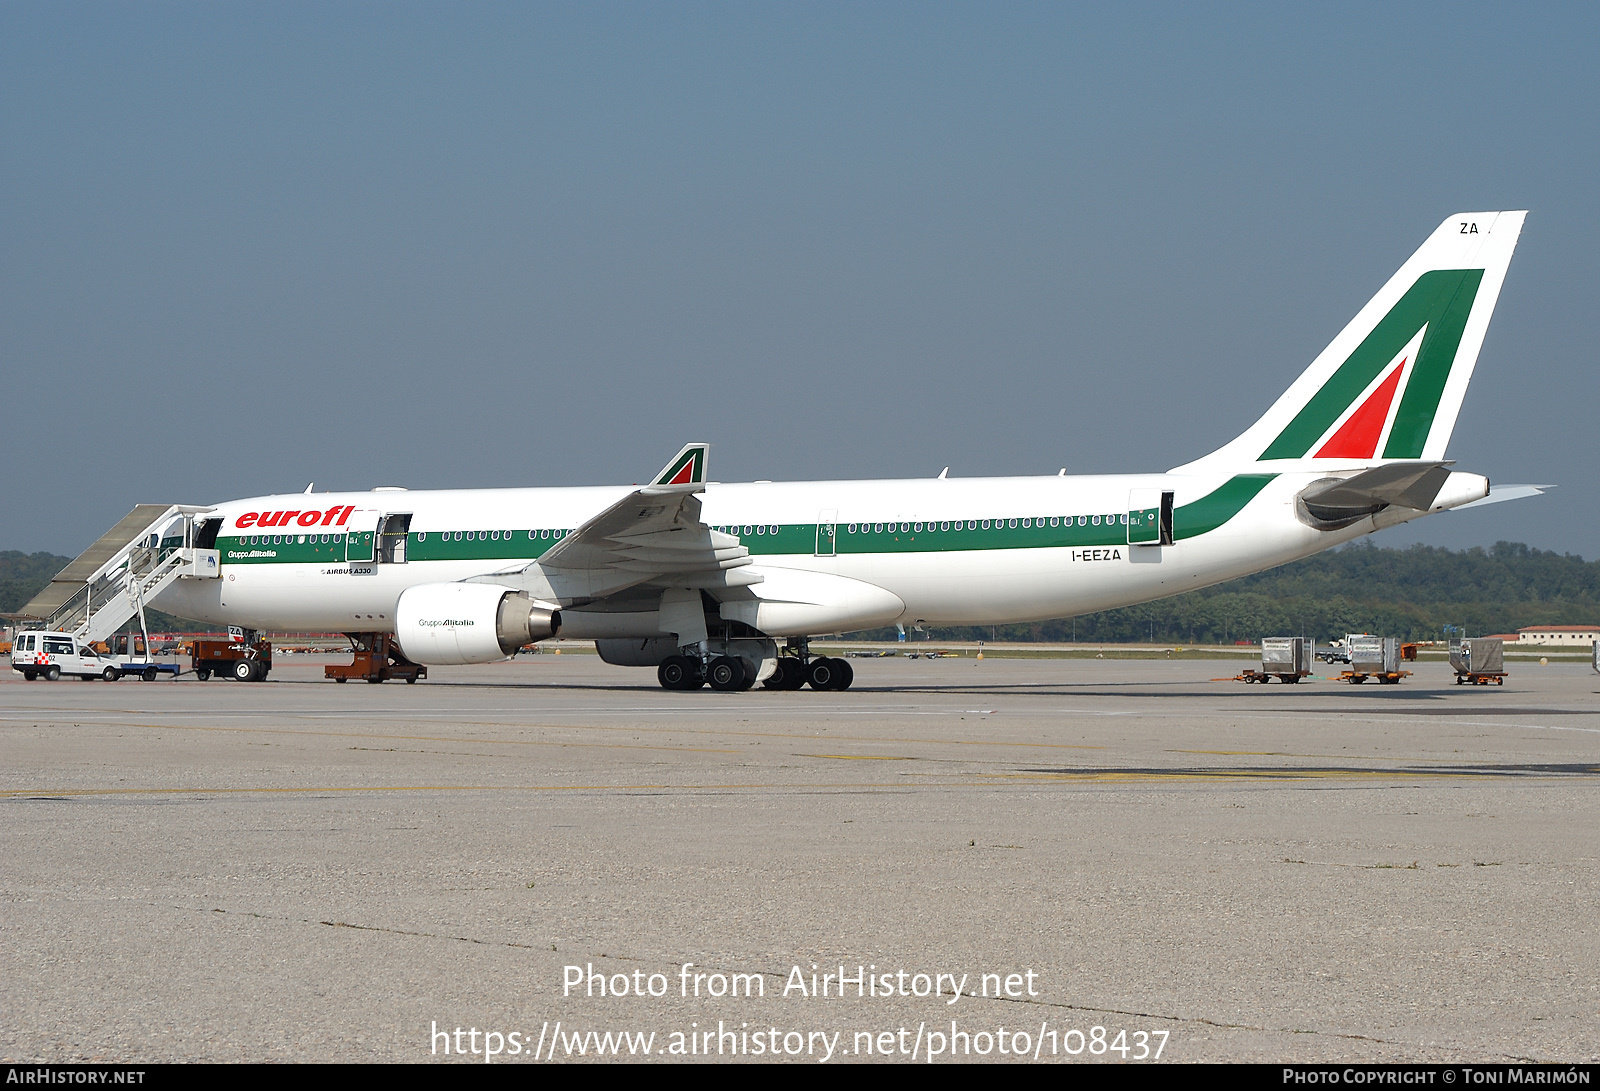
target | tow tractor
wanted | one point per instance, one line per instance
(241, 657)
(378, 658)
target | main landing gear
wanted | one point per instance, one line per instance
(725, 673)
(730, 673)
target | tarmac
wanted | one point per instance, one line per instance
(1103, 857)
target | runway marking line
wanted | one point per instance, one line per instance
(593, 727)
(426, 738)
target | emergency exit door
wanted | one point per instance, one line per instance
(827, 529)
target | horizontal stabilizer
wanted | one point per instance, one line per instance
(1500, 493)
(1407, 484)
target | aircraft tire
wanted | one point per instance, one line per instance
(791, 674)
(726, 674)
(847, 674)
(679, 672)
(824, 674)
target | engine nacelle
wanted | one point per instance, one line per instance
(446, 624)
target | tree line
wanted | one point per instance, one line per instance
(1412, 593)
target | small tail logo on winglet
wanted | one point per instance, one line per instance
(688, 467)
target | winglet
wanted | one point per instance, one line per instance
(688, 466)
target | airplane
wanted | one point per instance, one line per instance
(703, 580)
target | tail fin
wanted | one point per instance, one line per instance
(1390, 385)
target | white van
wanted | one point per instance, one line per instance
(55, 654)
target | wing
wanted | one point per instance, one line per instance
(652, 533)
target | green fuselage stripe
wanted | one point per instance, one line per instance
(786, 539)
(1216, 508)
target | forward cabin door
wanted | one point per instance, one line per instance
(393, 534)
(360, 536)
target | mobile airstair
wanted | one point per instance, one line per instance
(133, 562)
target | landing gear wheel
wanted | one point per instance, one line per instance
(791, 674)
(52, 674)
(830, 674)
(244, 670)
(726, 674)
(111, 674)
(203, 674)
(679, 672)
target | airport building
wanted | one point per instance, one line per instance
(1577, 636)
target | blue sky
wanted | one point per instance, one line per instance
(250, 246)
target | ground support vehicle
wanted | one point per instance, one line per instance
(49, 655)
(1387, 678)
(128, 653)
(1286, 658)
(377, 659)
(243, 662)
(1478, 661)
(141, 666)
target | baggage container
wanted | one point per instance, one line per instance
(1286, 658)
(1373, 657)
(1479, 661)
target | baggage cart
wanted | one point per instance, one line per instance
(1286, 658)
(1373, 657)
(1478, 661)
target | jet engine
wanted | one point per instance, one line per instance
(446, 624)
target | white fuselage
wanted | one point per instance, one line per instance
(972, 551)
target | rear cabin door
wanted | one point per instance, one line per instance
(1149, 517)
